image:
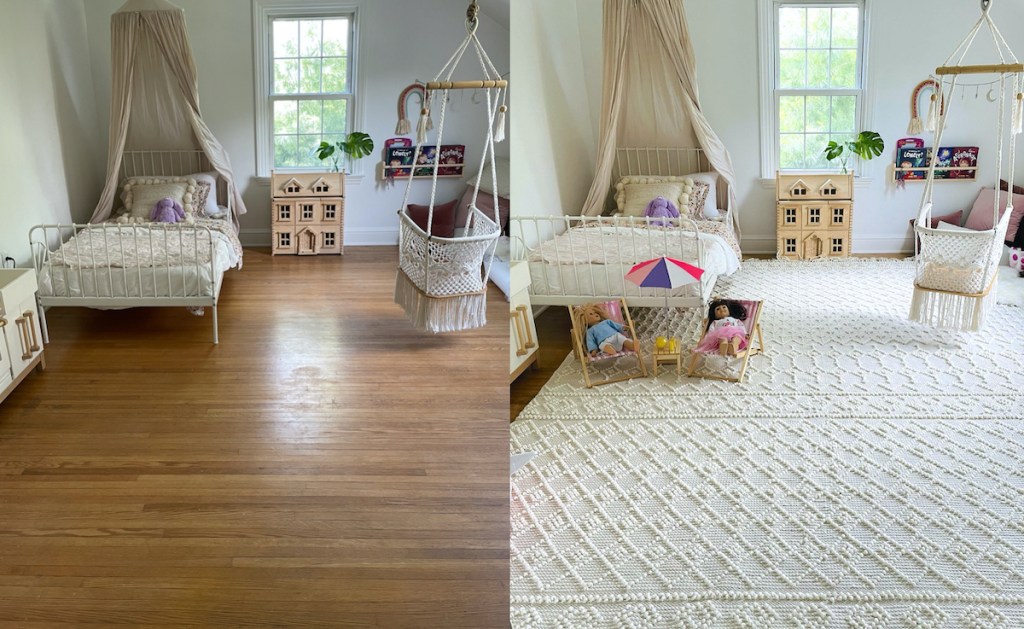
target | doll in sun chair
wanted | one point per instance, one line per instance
(726, 332)
(604, 335)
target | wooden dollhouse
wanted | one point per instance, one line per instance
(815, 215)
(307, 213)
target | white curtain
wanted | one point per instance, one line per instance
(155, 95)
(650, 94)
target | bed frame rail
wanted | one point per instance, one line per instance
(111, 279)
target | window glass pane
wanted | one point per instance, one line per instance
(844, 27)
(816, 143)
(286, 76)
(335, 38)
(817, 113)
(335, 74)
(310, 38)
(791, 150)
(792, 33)
(310, 76)
(844, 68)
(791, 114)
(819, 22)
(335, 116)
(285, 116)
(310, 113)
(284, 151)
(843, 113)
(286, 38)
(306, 144)
(792, 69)
(817, 68)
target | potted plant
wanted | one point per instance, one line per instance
(867, 145)
(356, 145)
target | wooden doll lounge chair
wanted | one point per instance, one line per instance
(739, 359)
(617, 311)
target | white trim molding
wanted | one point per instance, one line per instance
(263, 11)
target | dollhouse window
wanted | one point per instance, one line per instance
(791, 245)
(837, 245)
(284, 240)
(307, 211)
(791, 215)
(284, 212)
(814, 215)
(328, 239)
(838, 214)
(329, 212)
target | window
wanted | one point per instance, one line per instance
(284, 239)
(791, 215)
(812, 77)
(837, 215)
(814, 215)
(328, 239)
(330, 212)
(307, 211)
(284, 212)
(837, 245)
(305, 80)
(791, 245)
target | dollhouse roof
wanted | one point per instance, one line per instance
(798, 184)
(827, 185)
(291, 181)
(321, 181)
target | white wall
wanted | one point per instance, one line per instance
(908, 40)
(49, 139)
(400, 41)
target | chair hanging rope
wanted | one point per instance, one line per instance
(956, 271)
(442, 280)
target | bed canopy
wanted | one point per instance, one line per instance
(650, 91)
(154, 101)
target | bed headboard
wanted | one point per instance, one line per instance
(174, 163)
(674, 162)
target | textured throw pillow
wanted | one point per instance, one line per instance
(211, 207)
(141, 194)
(626, 191)
(710, 207)
(199, 198)
(443, 223)
(697, 199)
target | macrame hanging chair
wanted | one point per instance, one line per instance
(442, 282)
(956, 271)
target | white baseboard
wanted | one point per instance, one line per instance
(868, 245)
(353, 237)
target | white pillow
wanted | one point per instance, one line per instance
(141, 194)
(952, 227)
(633, 193)
(711, 202)
(501, 169)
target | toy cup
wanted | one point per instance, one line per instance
(660, 342)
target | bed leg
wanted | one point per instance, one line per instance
(216, 339)
(42, 321)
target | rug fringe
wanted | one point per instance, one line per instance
(946, 310)
(439, 314)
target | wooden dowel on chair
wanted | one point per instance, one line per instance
(998, 68)
(465, 85)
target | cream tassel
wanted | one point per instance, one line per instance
(423, 126)
(1018, 114)
(932, 117)
(915, 127)
(404, 127)
(499, 131)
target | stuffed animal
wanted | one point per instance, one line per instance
(167, 210)
(661, 209)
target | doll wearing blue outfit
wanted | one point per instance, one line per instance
(603, 334)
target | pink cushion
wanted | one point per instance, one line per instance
(485, 202)
(980, 217)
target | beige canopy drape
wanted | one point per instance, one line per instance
(650, 91)
(154, 101)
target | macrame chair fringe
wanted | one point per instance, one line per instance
(951, 311)
(439, 314)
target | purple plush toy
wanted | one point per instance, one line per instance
(661, 208)
(167, 210)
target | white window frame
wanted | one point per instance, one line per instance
(263, 12)
(768, 23)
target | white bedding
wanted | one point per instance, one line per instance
(112, 263)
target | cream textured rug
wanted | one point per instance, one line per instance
(869, 473)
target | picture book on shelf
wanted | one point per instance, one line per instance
(449, 159)
(952, 162)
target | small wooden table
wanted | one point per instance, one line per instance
(667, 355)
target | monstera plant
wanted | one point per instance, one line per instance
(867, 145)
(356, 145)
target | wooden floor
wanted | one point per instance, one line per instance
(325, 465)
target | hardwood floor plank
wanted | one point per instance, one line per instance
(324, 465)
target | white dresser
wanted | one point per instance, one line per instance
(522, 346)
(21, 340)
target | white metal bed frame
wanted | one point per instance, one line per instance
(527, 232)
(45, 240)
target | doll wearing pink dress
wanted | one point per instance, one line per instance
(725, 333)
